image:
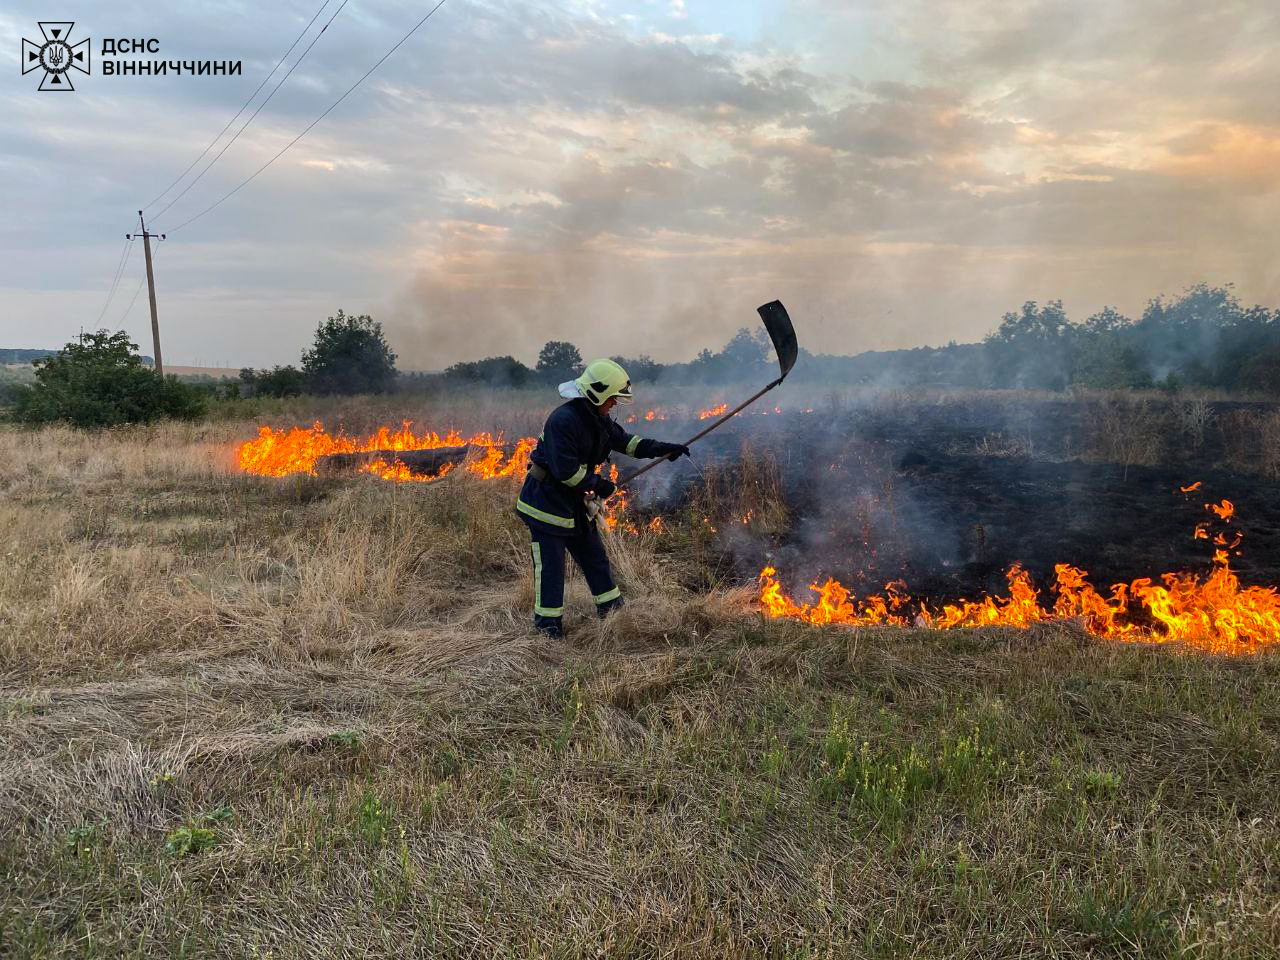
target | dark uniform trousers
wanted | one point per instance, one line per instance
(587, 549)
(574, 443)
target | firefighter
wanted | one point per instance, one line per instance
(563, 472)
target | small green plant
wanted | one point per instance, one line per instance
(372, 818)
(188, 840)
(1101, 783)
(347, 739)
(15, 709)
(81, 840)
(218, 814)
(966, 765)
(405, 858)
(571, 715)
(883, 781)
(445, 764)
(1127, 927)
(774, 761)
(434, 800)
(889, 782)
(197, 836)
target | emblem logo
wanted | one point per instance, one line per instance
(56, 56)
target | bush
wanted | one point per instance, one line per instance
(493, 371)
(287, 381)
(100, 381)
(10, 393)
(350, 355)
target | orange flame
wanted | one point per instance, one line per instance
(616, 505)
(278, 453)
(650, 415)
(1215, 614)
(397, 472)
(1224, 510)
(713, 412)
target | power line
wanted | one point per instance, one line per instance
(306, 129)
(255, 113)
(242, 109)
(137, 290)
(115, 278)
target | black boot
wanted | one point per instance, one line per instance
(551, 626)
(604, 609)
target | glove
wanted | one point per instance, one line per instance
(604, 488)
(672, 451)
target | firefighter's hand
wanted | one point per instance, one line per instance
(672, 451)
(604, 488)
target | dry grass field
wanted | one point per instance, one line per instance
(305, 717)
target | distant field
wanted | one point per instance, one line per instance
(25, 372)
(220, 373)
(17, 373)
(305, 716)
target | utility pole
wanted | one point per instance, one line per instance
(151, 289)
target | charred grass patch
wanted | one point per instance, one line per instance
(329, 732)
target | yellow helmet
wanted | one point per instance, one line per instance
(604, 379)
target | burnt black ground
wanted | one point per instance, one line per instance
(886, 494)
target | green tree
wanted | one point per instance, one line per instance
(1262, 371)
(1101, 355)
(1032, 349)
(350, 355)
(286, 381)
(641, 368)
(494, 371)
(1200, 338)
(100, 381)
(558, 361)
(745, 350)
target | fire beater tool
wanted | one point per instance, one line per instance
(778, 324)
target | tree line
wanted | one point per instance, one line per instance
(1204, 338)
(743, 357)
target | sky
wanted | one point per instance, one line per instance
(636, 177)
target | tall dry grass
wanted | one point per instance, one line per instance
(1271, 446)
(1194, 415)
(1125, 430)
(332, 683)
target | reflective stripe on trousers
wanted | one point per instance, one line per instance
(587, 550)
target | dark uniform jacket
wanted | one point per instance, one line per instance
(574, 442)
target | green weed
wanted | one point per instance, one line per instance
(188, 840)
(372, 818)
(1127, 927)
(889, 781)
(1101, 783)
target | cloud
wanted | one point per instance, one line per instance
(1011, 160)
(899, 173)
(1233, 155)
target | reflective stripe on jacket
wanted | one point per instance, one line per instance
(574, 442)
